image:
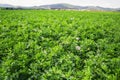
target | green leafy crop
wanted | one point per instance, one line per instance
(59, 45)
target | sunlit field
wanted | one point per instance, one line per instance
(59, 45)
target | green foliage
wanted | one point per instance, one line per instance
(59, 45)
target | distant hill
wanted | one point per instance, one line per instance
(63, 6)
(59, 6)
(69, 6)
(6, 5)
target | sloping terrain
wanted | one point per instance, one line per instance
(62, 6)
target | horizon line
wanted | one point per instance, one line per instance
(58, 3)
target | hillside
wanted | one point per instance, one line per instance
(62, 6)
